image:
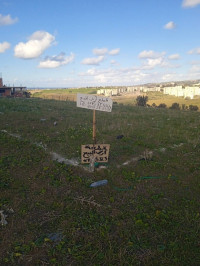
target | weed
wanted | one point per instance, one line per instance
(147, 214)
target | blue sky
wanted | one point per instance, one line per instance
(78, 43)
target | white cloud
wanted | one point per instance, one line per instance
(195, 63)
(100, 51)
(161, 62)
(56, 61)
(150, 54)
(170, 25)
(7, 20)
(169, 77)
(190, 3)
(38, 42)
(195, 69)
(194, 72)
(4, 46)
(153, 62)
(114, 51)
(93, 60)
(121, 76)
(104, 51)
(125, 76)
(154, 59)
(174, 56)
(113, 62)
(194, 51)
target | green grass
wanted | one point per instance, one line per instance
(59, 220)
(61, 94)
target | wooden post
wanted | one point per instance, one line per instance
(94, 127)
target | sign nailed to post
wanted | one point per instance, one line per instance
(99, 151)
(94, 102)
(94, 152)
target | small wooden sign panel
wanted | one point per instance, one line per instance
(100, 151)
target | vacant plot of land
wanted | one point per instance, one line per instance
(147, 214)
(61, 94)
(159, 97)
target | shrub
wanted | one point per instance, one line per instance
(193, 107)
(175, 106)
(141, 100)
(162, 105)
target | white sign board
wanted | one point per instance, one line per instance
(94, 102)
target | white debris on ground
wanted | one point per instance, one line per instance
(15, 135)
(177, 145)
(60, 159)
(162, 149)
(147, 155)
(41, 145)
(55, 156)
(92, 162)
(11, 134)
(135, 159)
(3, 218)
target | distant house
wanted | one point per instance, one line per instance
(5, 91)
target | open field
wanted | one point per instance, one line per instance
(130, 99)
(61, 94)
(159, 97)
(147, 214)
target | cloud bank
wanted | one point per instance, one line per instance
(7, 20)
(194, 51)
(174, 56)
(114, 52)
(38, 42)
(93, 60)
(150, 54)
(101, 53)
(4, 46)
(190, 3)
(56, 61)
(170, 25)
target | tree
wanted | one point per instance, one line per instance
(193, 107)
(175, 106)
(162, 105)
(141, 100)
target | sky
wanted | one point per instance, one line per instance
(85, 43)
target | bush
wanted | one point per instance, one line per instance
(162, 105)
(141, 100)
(175, 106)
(193, 107)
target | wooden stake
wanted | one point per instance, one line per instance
(94, 127)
